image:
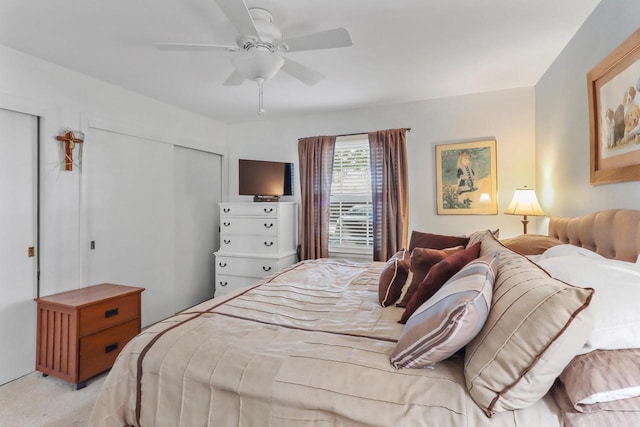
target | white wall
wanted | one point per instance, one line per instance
(67, 99)
(507, 116)
(562, 117)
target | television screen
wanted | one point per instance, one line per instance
(260, 178)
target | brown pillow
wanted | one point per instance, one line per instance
(435, 241)
(530, 244)
(422, 259)
(438, 276)
(393, 277)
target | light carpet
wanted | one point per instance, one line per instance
(34, 400)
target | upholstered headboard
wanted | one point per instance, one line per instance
(613, 233)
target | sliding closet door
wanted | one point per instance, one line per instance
(18, 232)
(127, 196)
(197, 194)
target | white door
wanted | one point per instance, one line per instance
(127, 193)
(18, 232)
(197, 194)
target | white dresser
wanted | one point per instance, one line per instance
(256, 239)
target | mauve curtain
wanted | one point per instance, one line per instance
(316, 169)
(389, 185)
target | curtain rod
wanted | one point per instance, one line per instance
(362, 133)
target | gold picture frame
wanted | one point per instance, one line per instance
(466, 178)
(614, 114)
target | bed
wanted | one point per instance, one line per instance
(311, 346)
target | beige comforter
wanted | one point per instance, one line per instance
(306, 347)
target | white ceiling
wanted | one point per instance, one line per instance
(402, 51)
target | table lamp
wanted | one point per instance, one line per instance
(524, 203)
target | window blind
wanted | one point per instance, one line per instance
(350, 215)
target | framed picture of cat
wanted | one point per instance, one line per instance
(466, 178)
(614, 114)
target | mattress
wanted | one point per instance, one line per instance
(309, 346)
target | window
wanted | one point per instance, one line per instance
(350, 216)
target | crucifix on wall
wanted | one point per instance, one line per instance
(70, 139)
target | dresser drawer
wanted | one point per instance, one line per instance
(249, 209)
(249, 244)
(108, 313)
(226, 284)
(261, 226)
(253, 267)
(98, 351)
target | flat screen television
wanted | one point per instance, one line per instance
(265, 181)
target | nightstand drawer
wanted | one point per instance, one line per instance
(98, 351)
(108, 313)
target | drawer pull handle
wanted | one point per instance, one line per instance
(224, 283)
(226, 210)
(111, 347)
(226, 242)
(269, 210)
(266, 268)
(268, 225)
(222, 264)
(226, 224)
(268, 244)
(111, 313)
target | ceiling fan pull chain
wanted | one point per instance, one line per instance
(260, 96)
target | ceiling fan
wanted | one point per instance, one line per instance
(259, 46)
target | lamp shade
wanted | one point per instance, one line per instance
(257, 64)
(524, 202)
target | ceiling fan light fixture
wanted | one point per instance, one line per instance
(257, 64)
(259, 40)
(263, 20)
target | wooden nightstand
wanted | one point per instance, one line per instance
(81, 332)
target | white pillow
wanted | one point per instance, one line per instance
(568, 250)
(611, 395)
(615, 302)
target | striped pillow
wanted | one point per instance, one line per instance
(593, 380)
(536, 325)
(450, 319)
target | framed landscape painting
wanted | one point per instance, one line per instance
(614, 114)
(466, 178)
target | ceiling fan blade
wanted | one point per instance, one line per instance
(194, 46)
(304, 74)
(338, 37)
(238, 14)
(234, 79)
